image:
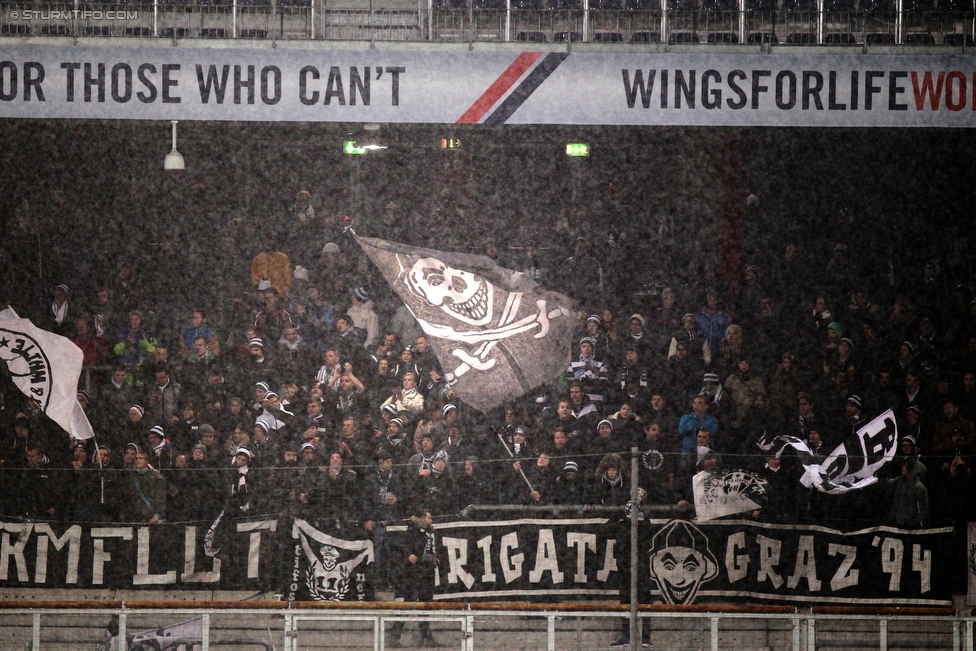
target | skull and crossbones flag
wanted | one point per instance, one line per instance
(496, 333)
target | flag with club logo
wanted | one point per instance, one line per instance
(45, 367)
(329, 567)
(496, 333)
(852, 464)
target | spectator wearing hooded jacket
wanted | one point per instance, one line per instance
(698, 347)
(611, 485)
(907, 497)
(712, 321)
(295, 356)
(143, 493)
(163, 399)
(743, 386)
(699, 419)
(628, 425)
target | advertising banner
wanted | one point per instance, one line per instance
(157, 82)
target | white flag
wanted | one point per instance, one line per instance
(45, 367)
(722, 493)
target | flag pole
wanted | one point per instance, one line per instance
(512, 455)
(635, 643)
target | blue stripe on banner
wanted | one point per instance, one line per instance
(526, 88)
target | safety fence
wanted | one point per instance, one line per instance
(430, 20)
(199, 626)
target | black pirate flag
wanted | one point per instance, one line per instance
(496, 333)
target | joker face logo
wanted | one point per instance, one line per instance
(458, 293)
(327, 579)
(681, 561)
(330, 557)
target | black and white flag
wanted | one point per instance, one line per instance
(45, 367)
(852, 464)
(718, 494)
(497, 334)
(335, 569)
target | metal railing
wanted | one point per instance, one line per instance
(270, 625)
(488, 20)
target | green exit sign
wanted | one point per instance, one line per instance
(577, 149)
(450, 143)
(349, 147)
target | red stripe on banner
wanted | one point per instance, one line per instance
(499, 87)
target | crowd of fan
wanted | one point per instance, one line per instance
(312, 399)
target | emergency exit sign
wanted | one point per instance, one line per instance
(349, 147)
(577, 149)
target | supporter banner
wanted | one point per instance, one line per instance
(329, 568)
(293, 558)
(683, 562)
(680, 562)
(293, 83)
(497, 334)
(164, 556)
